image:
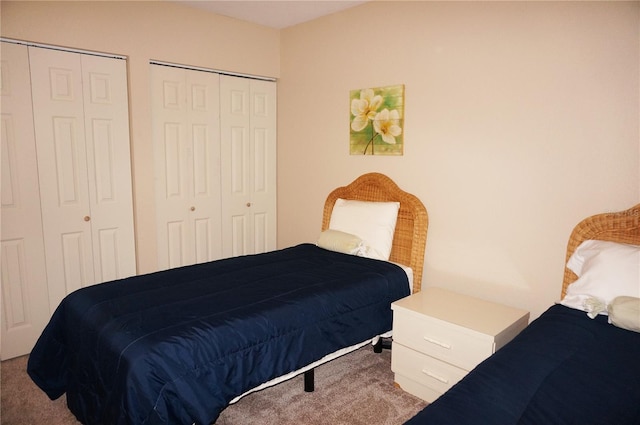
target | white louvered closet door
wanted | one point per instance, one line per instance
(186, 139)
(82, 138)
(25, 299)
(248, 122)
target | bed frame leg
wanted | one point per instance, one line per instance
(383, 343)
(309, 381)
(377, 347)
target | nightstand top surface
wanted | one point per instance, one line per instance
(469, 312)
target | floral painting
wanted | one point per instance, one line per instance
(377, 121)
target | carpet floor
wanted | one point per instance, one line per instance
(355, 389)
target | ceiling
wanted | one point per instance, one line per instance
(274, 14)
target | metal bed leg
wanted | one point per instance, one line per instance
(383, 343)
(377, 347)
(309, 385)
(309, 381)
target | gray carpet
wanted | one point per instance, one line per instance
(354, 389)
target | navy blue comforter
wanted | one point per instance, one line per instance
(175, 347)
(563, 369)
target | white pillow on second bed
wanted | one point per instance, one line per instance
(605, 270)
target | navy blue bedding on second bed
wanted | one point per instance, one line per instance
(563, 369)
(175, 347)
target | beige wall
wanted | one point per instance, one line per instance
(143, 31)
(521, 119)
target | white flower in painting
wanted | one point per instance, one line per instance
(364, 109)
(386, 123)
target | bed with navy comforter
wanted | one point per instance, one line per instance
(175, 347)
(563, 369)
(579, 362)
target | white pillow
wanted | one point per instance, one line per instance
(335, 240)
(373, 222)
(605, 270)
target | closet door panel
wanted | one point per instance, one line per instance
(25, 300)
(260, 232)
(248, 111)
(176, 244)
(236, 116)
(203, 246)
(56, 80)
(106, 120)
(263, 154)
(239, 235)
(204, 124)
(238, 199)
(238, 142)
(171, 166)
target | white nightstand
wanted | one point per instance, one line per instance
(439, 336)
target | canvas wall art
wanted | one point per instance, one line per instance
(377, 121)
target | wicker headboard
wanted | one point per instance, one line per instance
(623, 227)
(410, 237)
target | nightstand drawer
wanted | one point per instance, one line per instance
(424, 370)
(444, 341)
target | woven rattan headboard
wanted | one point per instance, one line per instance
(410, 237)
(623, 227)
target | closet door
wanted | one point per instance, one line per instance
(186, 139)
(25, 300)
(106, 116)
(82, 139)
(248, 123)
